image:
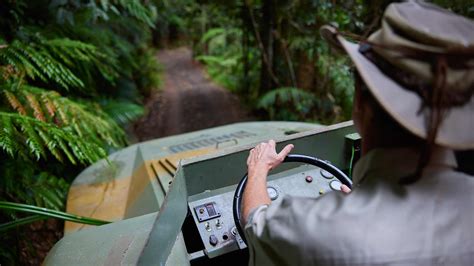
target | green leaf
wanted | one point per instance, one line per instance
(46, 213)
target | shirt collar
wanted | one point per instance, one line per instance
(399, 162)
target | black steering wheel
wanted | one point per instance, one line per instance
(237, 203)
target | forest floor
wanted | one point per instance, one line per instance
(188, 101)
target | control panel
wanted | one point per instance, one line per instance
(212, 210)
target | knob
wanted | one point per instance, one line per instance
(272, 193)
(213, 240)
(326, 174)
(335, 185)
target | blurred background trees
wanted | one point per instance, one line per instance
(271, 54)
(74, 73)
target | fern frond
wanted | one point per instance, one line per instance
(32, 186)
(212, 33)
(35, 105)
(45, 63)
(284, 103)
(64, 148)
(49, 105)
(82, 118)
(51, 144)
(15, 103)
(7, 138)
(284, 95)
(33, 141)
(52, 60)
(60, 110)
(19, 62)
(50, 197)
(122, 112)
(145, 14)
(37, 137)
(84, 57)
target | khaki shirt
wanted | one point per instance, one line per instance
(428, 223)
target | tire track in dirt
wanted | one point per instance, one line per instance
(188, 100)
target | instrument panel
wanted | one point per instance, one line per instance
(212, 210)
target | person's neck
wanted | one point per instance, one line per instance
(375, 140)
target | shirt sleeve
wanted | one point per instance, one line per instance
(294, 230)
(273, 229)
(260, 251)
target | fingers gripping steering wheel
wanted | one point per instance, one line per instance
(237, 203)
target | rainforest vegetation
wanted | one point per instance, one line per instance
(74, 74)
(271, 54)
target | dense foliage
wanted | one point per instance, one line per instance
(270, 52)
(72, 74)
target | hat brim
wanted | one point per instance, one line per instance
(456, 130)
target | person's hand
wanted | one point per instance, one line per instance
(345, 189)
(264, 158)
(261, 160)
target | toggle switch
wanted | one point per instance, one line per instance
(208, 227)
(233, 231)
(219, 224)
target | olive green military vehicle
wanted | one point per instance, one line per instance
(171, 199)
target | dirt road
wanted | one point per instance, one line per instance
(188, 101)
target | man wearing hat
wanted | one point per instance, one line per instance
(413, 106)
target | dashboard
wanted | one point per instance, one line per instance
(212, 213)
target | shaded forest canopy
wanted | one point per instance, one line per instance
(271, 54)
(74, 73)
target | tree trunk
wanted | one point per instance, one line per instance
(267, 26)
(305, 73)
(245, 49)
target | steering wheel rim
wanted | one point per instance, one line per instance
(237, 202)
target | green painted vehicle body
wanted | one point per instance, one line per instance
(144, 189)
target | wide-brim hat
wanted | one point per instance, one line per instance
(417, 26)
